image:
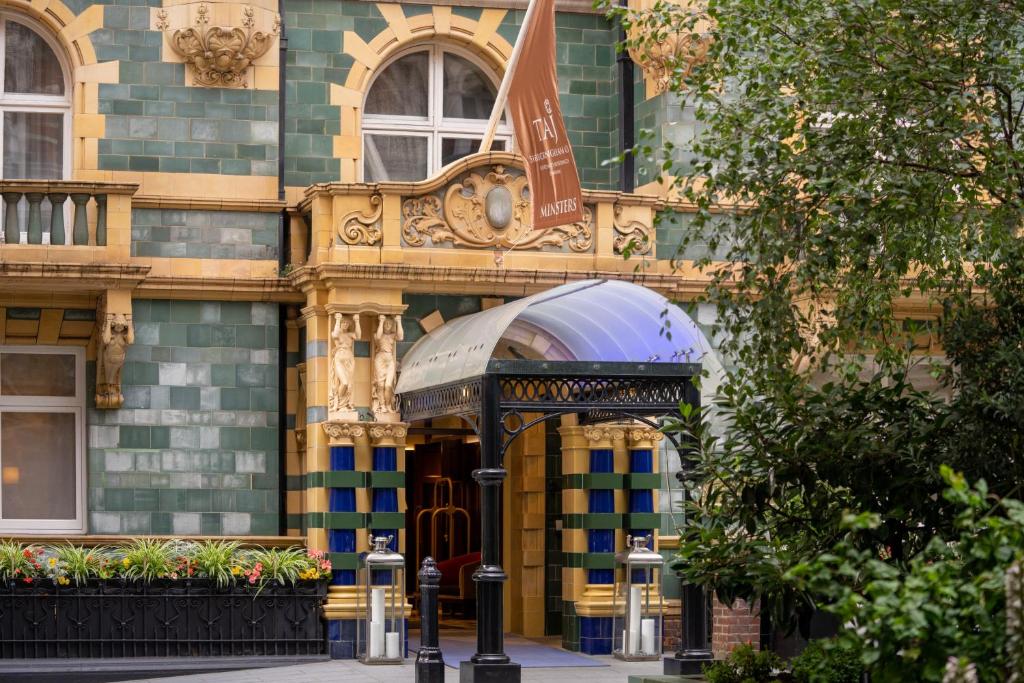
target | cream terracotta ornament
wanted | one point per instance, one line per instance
(487, 211)
(341, 402)
(116, 334)
(219, 56)
(385, 367)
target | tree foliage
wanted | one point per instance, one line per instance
(854, 159)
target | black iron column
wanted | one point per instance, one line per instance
(490, 663)
(694, 642)
(429, 660)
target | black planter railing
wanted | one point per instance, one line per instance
(184, 618)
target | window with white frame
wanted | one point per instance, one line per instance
(42, 418)
(425, 109)
(35, 102)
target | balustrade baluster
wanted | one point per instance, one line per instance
(35, 217)
(101, 220)
(80, 231)
(12, 230)
(57, 233)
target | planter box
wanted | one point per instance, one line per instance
(184, 618)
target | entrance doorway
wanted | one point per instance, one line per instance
(442, 521)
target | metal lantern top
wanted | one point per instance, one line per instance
(383, 556)
(638, 554)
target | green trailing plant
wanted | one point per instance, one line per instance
(824, 661)
(148, 559)
(76, 563)
(744, 665)
(279, 565)
(214, 559)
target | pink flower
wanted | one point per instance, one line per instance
(252, 579)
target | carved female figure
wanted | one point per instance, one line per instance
(385, 364)
(116, 335)
(343, 363)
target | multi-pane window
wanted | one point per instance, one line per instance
(427, 108)
(42, 413)
(35, 103)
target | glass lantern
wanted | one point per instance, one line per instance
(380, 639)
(637, 602)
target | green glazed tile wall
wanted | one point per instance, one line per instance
(155, 123)
(204, 234)
(194, 450)
(586, 70)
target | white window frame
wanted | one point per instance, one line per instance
(30, 102)
(54, 404)
(435, 127)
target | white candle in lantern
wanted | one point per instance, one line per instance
(393, 645)
(633, 626)
(377, 605)
(647, 636)
(376, 639)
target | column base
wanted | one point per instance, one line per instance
(470, 672)
(429, 672)
(688, 662)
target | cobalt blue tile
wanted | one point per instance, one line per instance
(341, 540)
(602, 460)
(641, 500)
(343, 458)
(343, 577)
(601, 576)
(601, 500)
(641, 461)
(601, 540)
(385, 500)
(342, 500)
(385, 459)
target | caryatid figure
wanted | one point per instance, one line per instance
(385, 365)
(343, 366)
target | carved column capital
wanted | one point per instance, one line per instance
(644, 437)
(388, 434)
(343, 433)
(603, 436)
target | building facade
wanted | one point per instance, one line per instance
(226, 223)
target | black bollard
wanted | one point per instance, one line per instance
(429, 660)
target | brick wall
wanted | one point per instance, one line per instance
(734, 626)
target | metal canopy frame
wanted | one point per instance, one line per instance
(494, 404)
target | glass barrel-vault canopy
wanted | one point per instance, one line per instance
(592, 320)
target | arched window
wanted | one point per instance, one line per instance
(425, 109)
(35, 102)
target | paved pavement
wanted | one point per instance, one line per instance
(349, 671)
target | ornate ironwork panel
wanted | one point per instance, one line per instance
(162, 619)
(637, 394)
(457, 398)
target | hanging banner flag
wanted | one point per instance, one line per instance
(540, 131)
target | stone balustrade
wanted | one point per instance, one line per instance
(64, 213)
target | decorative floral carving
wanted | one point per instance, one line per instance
(642, 434)
(474, 214)
(219, 55)
(360, 227)
(389, 432)
(676, 54)
(631, 231)
(340, 431)
(603, 433)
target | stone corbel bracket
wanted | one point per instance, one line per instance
(114, 334)
(218, 55)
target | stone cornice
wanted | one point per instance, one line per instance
(204, 204)
(484, 281)
(70, 277)
(249, 289)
